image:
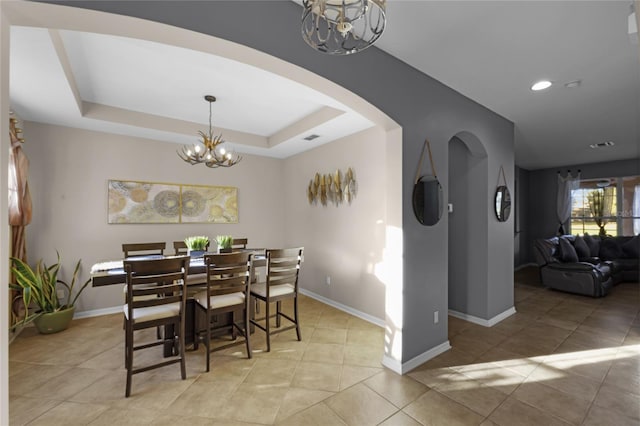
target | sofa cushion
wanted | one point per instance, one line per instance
(593, 244)
(567, 252)
(582, 249)
(631, 248)
(610, 249)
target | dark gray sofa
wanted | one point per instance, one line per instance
(587, 265)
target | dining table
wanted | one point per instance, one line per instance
(112, 273)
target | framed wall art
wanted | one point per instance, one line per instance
(153, 202)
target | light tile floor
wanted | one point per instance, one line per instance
(562, 359)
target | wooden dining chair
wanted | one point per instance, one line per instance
(283, 268)
(155, 296)
(143, 249)
(227, 292)
(132, 250)
(239, 243)
(180, 247)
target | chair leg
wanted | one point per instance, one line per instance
(247, 331)
(196, 329)
(295, 316)
(278, 311)
(234, 331)
(207, 338)
(267, 324)
(181, 344)
(128, 357)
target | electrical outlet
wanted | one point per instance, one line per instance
(436, 318)
(327, 280)
(60, 294)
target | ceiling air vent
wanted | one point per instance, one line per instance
(602, 144)
(311, 137)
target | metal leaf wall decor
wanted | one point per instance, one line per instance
(335, 188)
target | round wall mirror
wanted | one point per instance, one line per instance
(502, 203)
(427, 200)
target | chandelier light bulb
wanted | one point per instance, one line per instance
(344, 28)
(197, 148)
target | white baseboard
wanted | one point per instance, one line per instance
(98, 312)
(404, 368)
(526, 265)
(369, 318)
(480, 321)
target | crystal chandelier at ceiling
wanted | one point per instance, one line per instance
(210, 150)
(342, 27)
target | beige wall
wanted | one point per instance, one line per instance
(343, 242)
(68, 179)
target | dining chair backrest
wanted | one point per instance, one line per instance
(227, 273)
(143, 249)
(283, 267)
(162, 278)
(180, 247)
(240, 243)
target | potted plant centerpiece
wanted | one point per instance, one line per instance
(197, 245)
(224, 243)
(39, 287)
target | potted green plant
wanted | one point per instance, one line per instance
(224, 243)
(197, 245)
(40, 288)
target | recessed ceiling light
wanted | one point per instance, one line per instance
(572, 84)
(602, 144)
(541, 85)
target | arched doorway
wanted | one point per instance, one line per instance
(468, 231)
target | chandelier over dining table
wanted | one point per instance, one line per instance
(210, 151)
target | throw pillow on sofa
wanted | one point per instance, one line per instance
(567, 252)
(593, 243)
(631, 248)
(582, 249)
(609, 249)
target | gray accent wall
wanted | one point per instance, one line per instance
(423, 107)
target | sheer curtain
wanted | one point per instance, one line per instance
(565, 186)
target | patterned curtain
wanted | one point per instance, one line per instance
(20, 208)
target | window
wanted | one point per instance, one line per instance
(606, 206)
